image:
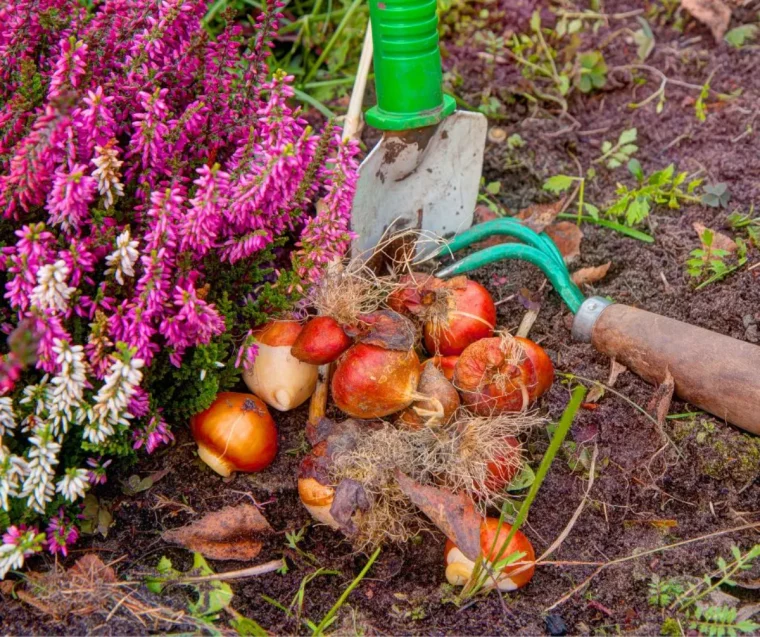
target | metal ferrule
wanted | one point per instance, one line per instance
(586, 317)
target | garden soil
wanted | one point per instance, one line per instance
(655, 486)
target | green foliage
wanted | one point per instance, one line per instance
(716, 196)
(748, 224)
(663, 592)
(213, 596)
(717, 621)
(711, 261)
(615, 155)
(714, 621)
(593, 71)
(662, 187)
(739, 36)
(644, 39)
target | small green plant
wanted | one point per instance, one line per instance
(213, 595)
(615, 155)
(711, 261)
(700, 110)
(716, 196)
(689, 604)
(663, 592)
(720, 620)
(748, 224)
(562, 183)
(593, 71)
(739, 36)
(661, 187)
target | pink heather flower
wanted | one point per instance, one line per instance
(194, 323)
(200, 226)
(61, 533)
(96, 124)
(34, 248)
(72, 193)
(151, 130)
(247, 352)
(97, 473)
(155, 434)
(70, 67)
(139, 405)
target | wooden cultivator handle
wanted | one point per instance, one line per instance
(716, 373)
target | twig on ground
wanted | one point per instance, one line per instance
(628, 558)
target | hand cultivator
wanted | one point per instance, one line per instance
(711, 371)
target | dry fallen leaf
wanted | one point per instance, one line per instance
(597, 391)
(659, 405)
(585, 276)
(720, 241)
(228, 534)
(453, 513)
(567, 236)
(538, 216)
(713, 13)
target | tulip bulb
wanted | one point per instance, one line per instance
(277, 377)
(492, 538)
(236, 433)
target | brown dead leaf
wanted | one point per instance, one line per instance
(91, 568)
(453, 513)
(228, 534)
(659, 405)
(585, 276)
(567, 236)
(538, 216)
(349, 498)
(597, 391)
(720, 241)
(713, 13)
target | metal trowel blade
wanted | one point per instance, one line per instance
(426, 179)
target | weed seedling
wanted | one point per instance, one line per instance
(709, 260)
(748, 224)
(690, 606)
(615, 155)
(662, 187)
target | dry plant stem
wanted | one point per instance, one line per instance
(628, 558)
(527, 323)
(253, 571)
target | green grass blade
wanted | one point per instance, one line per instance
(617, 227)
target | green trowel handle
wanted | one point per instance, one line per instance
(407, 63)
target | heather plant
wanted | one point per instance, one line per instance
(159, 196)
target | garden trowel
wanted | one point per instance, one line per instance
(425, 171)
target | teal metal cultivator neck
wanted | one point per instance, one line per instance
(536, 248)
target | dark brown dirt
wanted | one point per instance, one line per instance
(647, 494)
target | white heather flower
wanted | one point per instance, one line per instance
(67, 391)
(42, 460)
(36, 394)
(51, 291)
(74, 484)
(108, 174)
(111, 402)
(13, 469)
(7, 415)
(121, 262)
(18, 546)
